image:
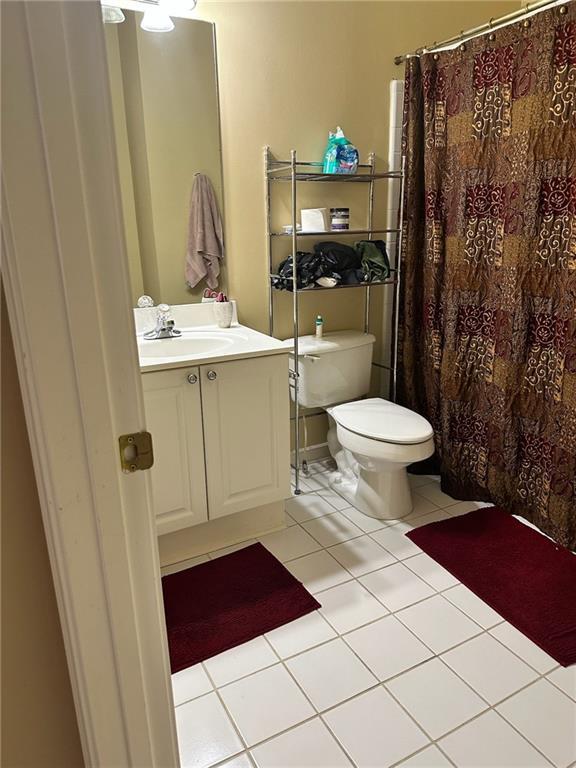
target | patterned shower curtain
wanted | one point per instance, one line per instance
(488, 300)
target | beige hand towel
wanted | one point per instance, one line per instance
(205, 239)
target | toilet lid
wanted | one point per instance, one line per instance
(381, 420)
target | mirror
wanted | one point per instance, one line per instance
(164, 89)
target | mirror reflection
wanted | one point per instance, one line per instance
(166, 116)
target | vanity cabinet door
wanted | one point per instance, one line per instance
(174, 417)
(246, 433)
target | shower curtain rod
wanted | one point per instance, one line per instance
(501, 21)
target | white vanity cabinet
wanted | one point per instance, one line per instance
(221, 438)
(174, 418)
(246, 433)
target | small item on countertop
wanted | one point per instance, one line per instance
(339, 219)
(319, 326)
(223, 311)
(314, 219)
(327, 282)
(209, 296)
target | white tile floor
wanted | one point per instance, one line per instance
(402, 665)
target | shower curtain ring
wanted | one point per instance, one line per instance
(527, 23)
(491, 36)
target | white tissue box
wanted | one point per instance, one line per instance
(314, 219)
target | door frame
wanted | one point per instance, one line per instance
(66, 279)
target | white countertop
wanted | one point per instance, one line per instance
(240, 342)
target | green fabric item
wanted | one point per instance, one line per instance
(374, 259)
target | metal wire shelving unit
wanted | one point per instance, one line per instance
(295, 172)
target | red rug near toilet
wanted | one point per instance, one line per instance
(528, 579)
(217, 605)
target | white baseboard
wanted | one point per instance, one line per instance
(219, 533)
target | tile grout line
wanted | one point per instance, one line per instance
(438, 592)
(227, 713)
(382, 684)
(486, 710)
(390, 614)
(490, 707)
(342, 636)
(308, 699)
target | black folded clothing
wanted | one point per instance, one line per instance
(347, 265)
(338, 256)
(310, 268)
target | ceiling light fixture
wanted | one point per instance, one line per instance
(156, 19)
(112, 15)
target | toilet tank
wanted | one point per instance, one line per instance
(333, 369)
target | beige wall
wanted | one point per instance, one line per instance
(289, 72)
(39, 727)
(165, 100)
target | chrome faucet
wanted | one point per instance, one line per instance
(164, 325)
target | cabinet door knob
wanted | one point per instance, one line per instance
(192, 378)
(212, 375)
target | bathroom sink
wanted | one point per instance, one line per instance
(188, 345)
(202, 342)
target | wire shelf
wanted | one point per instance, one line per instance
(312, 288)
(292, 172)
(337, 232)
(282, 165)
(334, 178)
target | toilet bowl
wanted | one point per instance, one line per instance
(373, 441)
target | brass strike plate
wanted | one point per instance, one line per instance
(136, 451)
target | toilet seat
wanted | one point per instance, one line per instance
(381, 420)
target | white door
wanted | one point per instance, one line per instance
(174, 417)
(246, 433)
(67, 286)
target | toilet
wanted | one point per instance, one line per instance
(372, 440)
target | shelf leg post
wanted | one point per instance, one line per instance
(371, 163)
(396, 309)
(267, 204)
(295, 309)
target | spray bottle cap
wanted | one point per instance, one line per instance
(319, 319)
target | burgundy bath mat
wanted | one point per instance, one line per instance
(217, 605)
(528, 579)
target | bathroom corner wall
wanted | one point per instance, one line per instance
(289, 72)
